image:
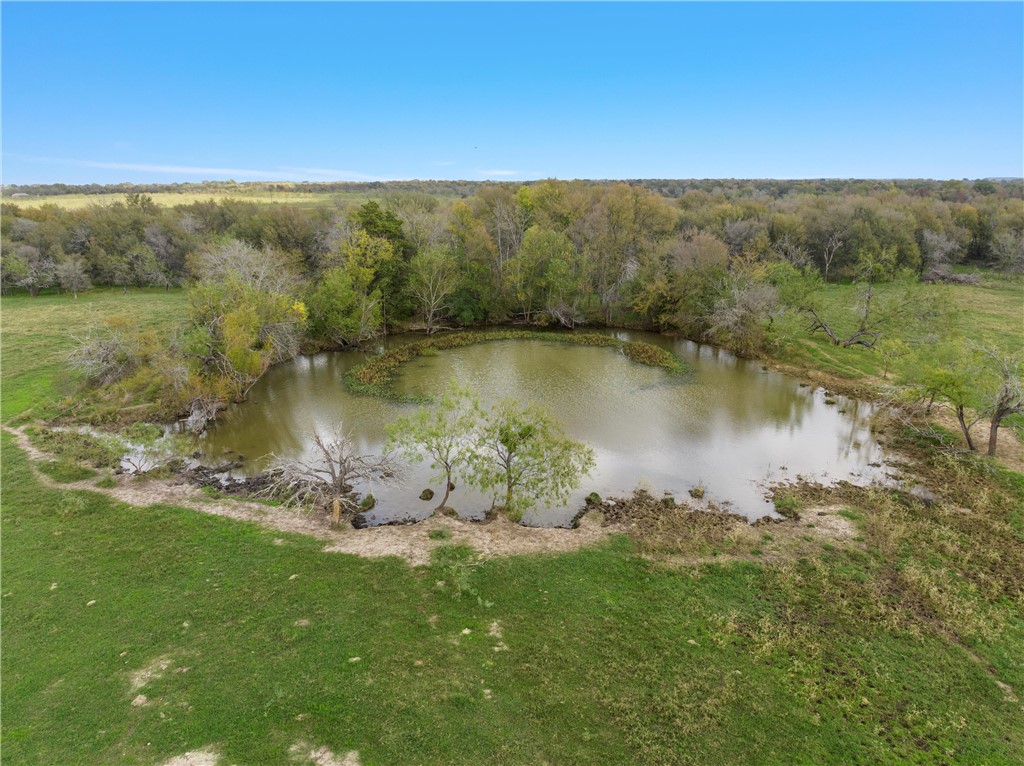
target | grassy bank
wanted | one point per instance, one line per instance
(134, 635)
(593, 657)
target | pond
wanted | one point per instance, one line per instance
(729, 427)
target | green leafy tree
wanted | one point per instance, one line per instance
(443, 433)
(366, 258)
(237, 331)
(35, 270)
(392, 274)
(946, 374)
(1001, 389)
(340, 314)
(523, 453)
(545, 276)
(13, 268)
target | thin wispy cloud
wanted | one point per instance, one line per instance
(490, 173)
(218, 173)
(178, 170)
(336, 175)
(442, 163)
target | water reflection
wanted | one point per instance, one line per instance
(730, 426)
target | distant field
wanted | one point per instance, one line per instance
(170, 199)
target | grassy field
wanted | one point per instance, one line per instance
(170, 199)
(37, 334)
(989, 312)
(134, 635)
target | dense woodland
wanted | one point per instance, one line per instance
(735, 263)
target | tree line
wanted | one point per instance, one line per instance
(960, 190)
(543, 252)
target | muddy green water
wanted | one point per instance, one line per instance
(729, 426)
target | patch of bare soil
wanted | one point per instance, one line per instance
(155, 669)
(35, 454)
(304, 753)
(500, 537)
(1009, 449)
(207, 756)
(865, 388)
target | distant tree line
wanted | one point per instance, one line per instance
(544, 252)
(963, 190)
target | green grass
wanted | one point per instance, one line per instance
(604, 658)
(990, 312)
(65, 471)
(37, 336)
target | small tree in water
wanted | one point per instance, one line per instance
(444, 433)
(524, 453)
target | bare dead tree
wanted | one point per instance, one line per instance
(737, 232)
(327, 478)
(262, 268)
(868, 330)
(105, 355)
(1008, 249)
(741, 318)
(938, 252)
(567, 314)
(874, 317)
(787, 249)
(835, 241)
(435, 276)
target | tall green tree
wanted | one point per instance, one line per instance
(341, 314)
(392, 274)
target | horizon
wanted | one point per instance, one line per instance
(510, 92)
(211, 181)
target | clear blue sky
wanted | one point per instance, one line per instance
(177, 92)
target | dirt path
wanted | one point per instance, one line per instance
(410, 542)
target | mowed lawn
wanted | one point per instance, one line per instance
(259, 645)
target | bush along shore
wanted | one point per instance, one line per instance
(376, 376)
